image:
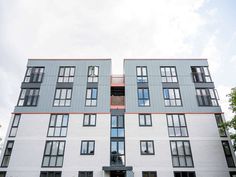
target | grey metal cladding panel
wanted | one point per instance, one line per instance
(48, 86)
(187, 87)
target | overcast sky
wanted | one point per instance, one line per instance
(115, 29)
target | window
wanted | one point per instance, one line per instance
(28, 97)
(91, 97)
(85, 174)
(142, 75)
(172, 97)
(232, 174)
(117, 152)
(117, 126)
(15, 125)
(34, 74)
(143, 97)
(50, 174)
(149, 174)
(62, 97)
(206, 97)
(201, 74)
(7, 154)
(66, 74)
(145, 120)
(184, 174)
(147, 147)
(219, 121)
(93, 73)
(58, 125)
(87, 147)
(89, 120)
(228, 154)
(168, 74)
(181, 154)
(2, 174)
(53, 154)
(177, 125)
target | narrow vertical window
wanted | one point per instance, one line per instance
(145, 120)
(85, 174)
(172, 97)
(66, 74)
(93, 72)
(181, 154)
(89, 120)
(91, 97)
(53, 154)
(14, 126)
(117, 126)
(58, 125)
(62, 97)
(28, 97)
(219, 121)
(87, 147)
(117, 152)
(228, 154)
(201, 74)
(141, 72)
(143, 97)
(34, 75)
(168, 74)
(149, 174)
(7, 154)
(177, 125)
(147, 147)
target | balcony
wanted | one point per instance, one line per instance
(117, 80)
(117, 97)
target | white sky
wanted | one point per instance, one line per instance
(115, 29)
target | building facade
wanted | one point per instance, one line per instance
(74, 118)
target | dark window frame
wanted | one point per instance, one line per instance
(66, 79)
(86, 174)
(25, 96)
(172, 76)
(55, 126)
(184, 154)
(205, 99)
(50, 155)
(90, 97)
(145, 120)
(89, 120)
(94, 78)
(142, 78)
(47, 173)
(3, 173)
(227, 156)
(87, 147)
(149, 173)
(59, 99)
(187, 173)
(118, 128)
(174, 127)
(147, 148)
(201, 75)
(13, 126)
(175, 99)
(143, 99)
(7, 154)
(219, 121)
(117, 157)
(231, 173)
(34, 77)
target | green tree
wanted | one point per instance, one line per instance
(231, 125)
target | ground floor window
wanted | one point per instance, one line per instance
(184, 174)
(85, 174)
(149, 174)
(50, 174)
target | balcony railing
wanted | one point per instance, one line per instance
(117, 80)
(118, 100)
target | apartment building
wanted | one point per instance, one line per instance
(160, 118)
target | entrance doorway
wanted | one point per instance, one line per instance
(117, 174)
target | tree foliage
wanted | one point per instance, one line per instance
(231, 125)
